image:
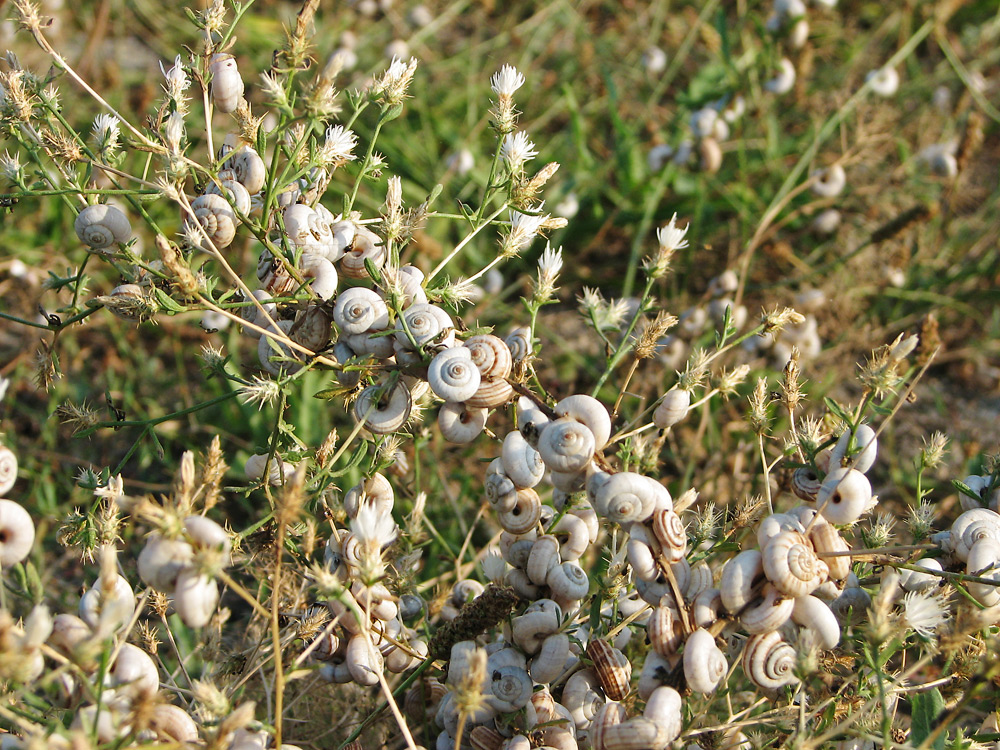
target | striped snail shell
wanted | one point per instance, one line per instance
(490, 355)
(613, 668)
(366, 245)
(8, 469)
(452, 374)
(524, 515)
(383, 412)
(227, 84)
(665, 631)
(608, 715)
(791, 564)
(826, 538)
(670, 531)
(101, 225)
(216, 219)
(769, 661)
(492, 393)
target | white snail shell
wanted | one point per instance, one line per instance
(768, 613)
(844, 496)
(101, 225)
(711, 155)
(111, 613)
(566, 445)
(884, 81)
(524, 515)
(700, 579)
(782, 83)
(509, 688)
(550, 662)
(278, 473)
(461, 423)
(134, 671)
(501, 492)
(539, 621)
(826, 538)
(359, 310)
(739, 578)
(8, 469)
(366, 245)
(814, 614)
(543, 557)
(970, 527)
(248, 168)
(519, 343)
(983, 559)
(626, 497)
(574, 536)
(306, 228)
(452, 374)
(704, 664)
(829, 182)
(363, 660)
(805, 484)
(388, 413)
(216, 218)
(673, 408)
(865, 449)
(568, 582)
(664, 707)
(522, 463)
(227, 84)
(706, 608)
(425, 322)
(590, 412)
(656, 671)
(17, 533)
(913, 580)
(638, 733)
(195, 598)
(769, 661)
(233, 192)
(162, 560)
(268, 347)
(172, 723)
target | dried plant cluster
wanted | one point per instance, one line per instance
(613, 591)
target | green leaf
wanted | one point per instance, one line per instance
(329, 394)
(838, 410)
(926, 708)
(966, 490)
(167, 302)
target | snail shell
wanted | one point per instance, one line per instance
(673, 408)
(590, 412)
(814, 614)
(768, 661)
(865, 449)
(805, 484)
(227, 84)
(8, 469)
(248, 168)
(509, 688)
(410, 279)
(322, 275)
(983, 559)
(101, 225)
(829, 182)
(613, 668)
(172, 723)
(791, 564)
(543, 557)
(363, 660)
(913, 580)
(196, 598)
(664, 707)
(638, 733)
(711, 155)
(550, 662)
(566, 445)
(665, 631)
(524, 515)
(388, 412)
(700, 579)
(112, 612)
(375, 490)
(216, 219)
(826, 538)
(573, 535)
(706, 608)
(656, 672)
(843, 496)
(492, 393)
(134, 672)
(568, 582)
(366, 245)
(425, 322)
(581, 696)
(162, 560)
(490, 355)
(522, 463)
(501, 492)
(233, 192)
(767, 614)
(519, 343)
(608, 715)
(307, 229)
(539, 621)
(276, 356)
(452, 375)
(739, 578)
(774, 524)
(625, 497)
(970, 527)
(670, 531)
(704, 664)
(461, 423)
(359, 310)
(17, 533)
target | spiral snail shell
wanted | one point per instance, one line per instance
(769, 661)
(215, 218)
(704, 664)
(383, 413)
(366, 245)
(461, 423)
(8, 469)
(522, 463)
(359, 310)
(227, 84)
(101, 225)
(829, 182)
(613, 668)
(452, 374)
(196, 597)
(233, 192)
(791, 564)
(247, 167)
(566, 445)
(673, 408)
(590, 412)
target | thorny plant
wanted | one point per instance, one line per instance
(808, 626)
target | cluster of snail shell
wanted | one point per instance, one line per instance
(358, 650)
(180, 565)
(708, 128)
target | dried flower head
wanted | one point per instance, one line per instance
(390, 87)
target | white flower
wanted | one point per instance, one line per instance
(273, 89)
(177, 80)
(494, 566)
(506, 81)
(10, 166)
(338, 147)
(523, 228)
(374, 528)
(106, 131)
(783, 82)
(392, 85)
(884, 81)
(261, 391)
(671, 237)
(516, 149)
(174, 131)
(551, 262)
(925, 611)
(114, 490)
